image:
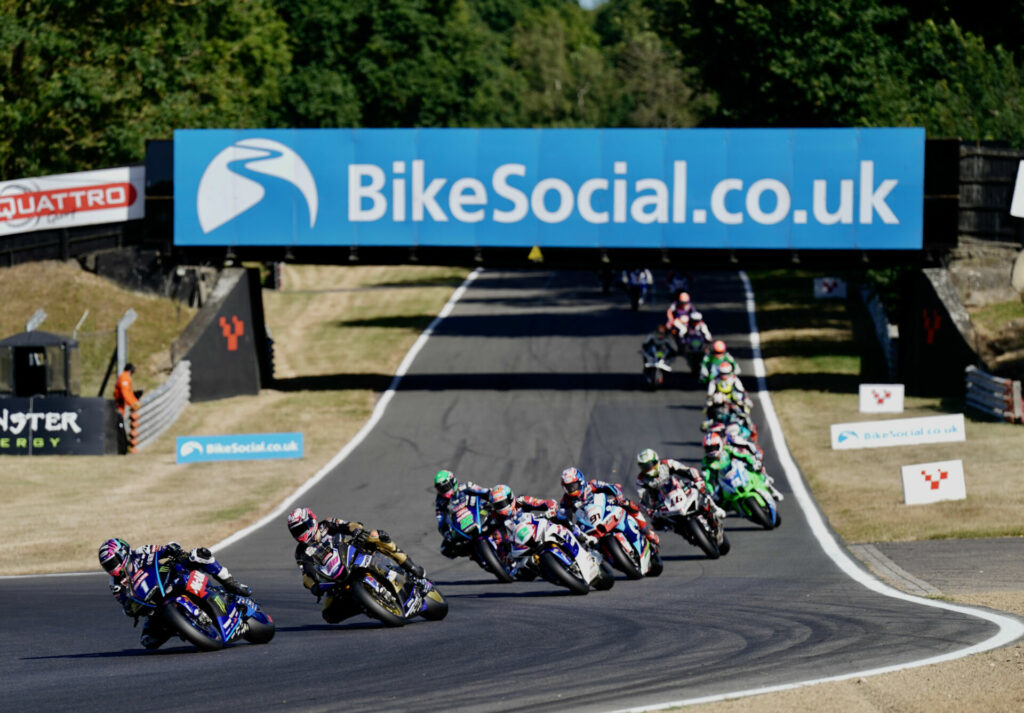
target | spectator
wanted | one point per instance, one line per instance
(123, 393)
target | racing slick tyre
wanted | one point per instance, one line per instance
(759, 514)
(621, 559)
(485, 552)
(386, 609)
(657, 566)
(606, 580)
(435, 607)
(700, 538)
(557, 573)
(724, 546)
(202, 632)
(258, 631)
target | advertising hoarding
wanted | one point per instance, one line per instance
(898, 432)
(70, 200)
(597, 188)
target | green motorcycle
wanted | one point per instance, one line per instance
(746, 491)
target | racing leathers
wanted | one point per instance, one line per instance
(718, 462)
(651, 489)
(154, 632)
(659, 341)
(443, 511)
(570, 504)
(711, 364)
(375, 540)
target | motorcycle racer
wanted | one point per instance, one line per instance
(713, 361)
(655, 473)
(659, 341)
(578, 490)
(680, 309)
(120, 561)
(447, 486)
(308, 532)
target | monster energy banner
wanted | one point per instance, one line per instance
(58, 426)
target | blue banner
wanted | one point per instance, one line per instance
(592, 188)
(246, 446)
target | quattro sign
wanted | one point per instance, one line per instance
(613, 188)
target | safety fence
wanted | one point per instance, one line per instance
(993, 396)
(160, 408)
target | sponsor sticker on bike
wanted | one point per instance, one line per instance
(925, 483)
(898, 432)
(196, 583)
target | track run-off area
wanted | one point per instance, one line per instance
(524, 374)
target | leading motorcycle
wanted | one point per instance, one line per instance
(194, 605)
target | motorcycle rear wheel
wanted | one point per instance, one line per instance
(759, 514)
(203, 637)
(621, 559)
(388, 613)
(700, 538)
(606, 580)
(556, 573)
(724, 546)
(485, 552)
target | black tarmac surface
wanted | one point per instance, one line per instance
(533, 372)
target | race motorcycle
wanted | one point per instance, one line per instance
(655, 368)
(619, 537)
(473, 535)
(690, 513)
(693, 347)
(550, 550)
(747, 492)
(193, 604)
(359, 579)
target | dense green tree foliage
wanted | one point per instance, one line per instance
(84, 84)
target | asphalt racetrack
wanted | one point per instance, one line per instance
(532, 372)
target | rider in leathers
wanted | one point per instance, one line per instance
(309, 532)
(655, 473)
(578, 490)
(120, 561)
(448, 487)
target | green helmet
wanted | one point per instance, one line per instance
(445, 482)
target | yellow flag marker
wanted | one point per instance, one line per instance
(535, 254)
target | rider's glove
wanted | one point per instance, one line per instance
(174, 552)
(383, 536)
(360, 535)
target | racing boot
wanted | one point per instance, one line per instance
(412, 568)
(233, 586)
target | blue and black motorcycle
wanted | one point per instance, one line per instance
(475, 535)
(194, 605)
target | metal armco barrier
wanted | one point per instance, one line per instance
(160, 408)
(993, 395)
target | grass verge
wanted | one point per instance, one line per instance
(340, 333)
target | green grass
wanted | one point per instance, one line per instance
(812, 369)
(995, 316)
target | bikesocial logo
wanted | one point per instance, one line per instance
(227, 188)
(190, 447)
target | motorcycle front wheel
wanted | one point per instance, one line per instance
(435, 607)
(384, 608)
(759, 514)
(485, 552)
(700, 538)
(557, 573)
(621, 559)
(202, 631)
(259, 629)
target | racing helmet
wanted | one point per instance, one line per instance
(573, 482)
(302, 524)
(725, 368)
(648, 461)
(712, 442)
(113, 554)
(684, 298)
(718, 347)
(725, 383)
(503, 501)
(695, 317)
(445, 482)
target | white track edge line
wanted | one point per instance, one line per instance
(1010, 629)
(378, 412)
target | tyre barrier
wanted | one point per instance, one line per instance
(993, 396)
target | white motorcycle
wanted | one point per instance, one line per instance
(550, 550)
(692, 514)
